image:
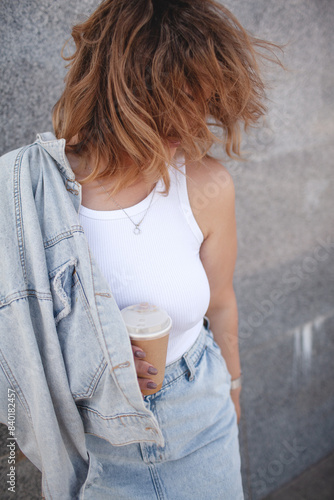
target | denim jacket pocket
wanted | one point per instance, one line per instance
(80, 348)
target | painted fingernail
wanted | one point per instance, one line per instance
(151, 385)
(152, 370)
(140, 354)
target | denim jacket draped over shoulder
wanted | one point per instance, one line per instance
(65, 355)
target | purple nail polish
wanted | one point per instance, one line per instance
(152, 370)
(140, 354)
(151, 385)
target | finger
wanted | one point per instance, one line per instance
(137, 352)
(145, 384)
(144, 369)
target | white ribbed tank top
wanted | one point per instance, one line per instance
(161, 265)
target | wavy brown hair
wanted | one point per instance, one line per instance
(145, 70)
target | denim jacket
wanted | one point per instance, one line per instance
(66, 361)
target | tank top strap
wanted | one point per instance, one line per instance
(181, 180)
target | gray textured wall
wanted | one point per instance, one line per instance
(284, 277)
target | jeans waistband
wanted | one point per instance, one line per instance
(188, 361)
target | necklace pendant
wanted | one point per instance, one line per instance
(137, 230)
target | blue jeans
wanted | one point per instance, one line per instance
(200, 459)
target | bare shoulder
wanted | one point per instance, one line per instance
(211, 192)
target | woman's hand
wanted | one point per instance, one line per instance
(235, 396)
(143, 368)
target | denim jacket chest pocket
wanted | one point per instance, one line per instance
(81, 351)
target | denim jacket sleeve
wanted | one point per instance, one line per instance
(35, 398)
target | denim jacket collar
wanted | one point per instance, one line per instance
(56, 148)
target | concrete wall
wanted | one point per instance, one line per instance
(284, 277)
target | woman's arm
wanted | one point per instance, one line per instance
(218, 254)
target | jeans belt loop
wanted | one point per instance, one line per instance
(206, 322)
(190, 366)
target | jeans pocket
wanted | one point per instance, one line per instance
(214, 348)
(95, 471)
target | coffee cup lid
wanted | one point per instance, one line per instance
(146, 320)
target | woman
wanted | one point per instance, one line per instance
(158, 214)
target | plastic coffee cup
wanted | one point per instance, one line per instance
(148, 326)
